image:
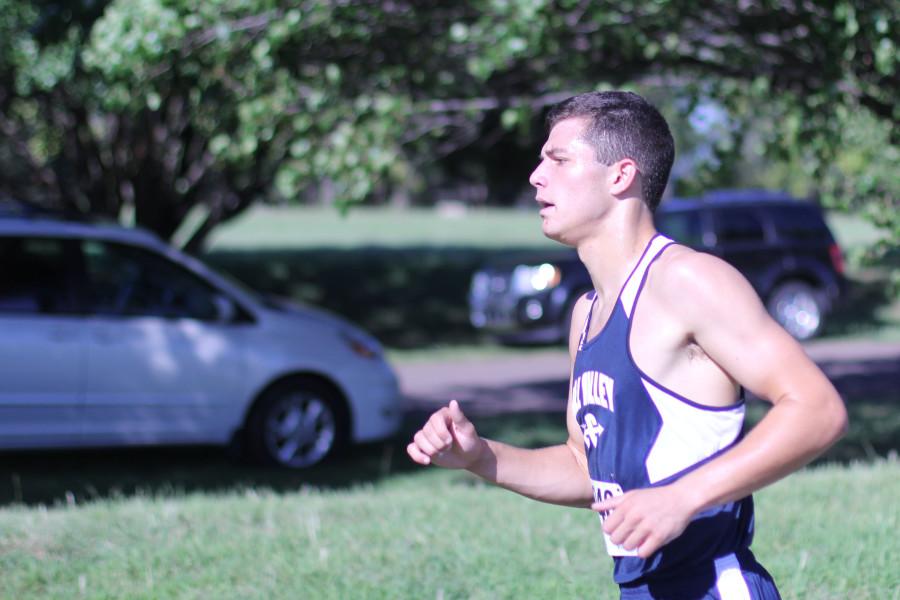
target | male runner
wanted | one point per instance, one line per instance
(660, 351)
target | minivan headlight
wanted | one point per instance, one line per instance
(360, 346)
(527, 279)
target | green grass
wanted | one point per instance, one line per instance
(404, 275)
(823, 533)
(191, 523)
(52, 477)
(324, 227)
(293, 227)
(831, 532)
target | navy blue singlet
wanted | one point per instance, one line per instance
(639, 434)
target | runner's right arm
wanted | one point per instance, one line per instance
(555, 474)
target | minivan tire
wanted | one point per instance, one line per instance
(296, 423)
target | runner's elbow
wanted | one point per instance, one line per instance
(833, 421)
(840, 420)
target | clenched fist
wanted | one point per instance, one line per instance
(448, 439)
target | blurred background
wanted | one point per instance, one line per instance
(369, 158)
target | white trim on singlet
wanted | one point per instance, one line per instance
(688, 433)
(633, 285)
(730, 582)
(654, 247)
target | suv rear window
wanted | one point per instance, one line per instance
(800, 223)
(738, 225)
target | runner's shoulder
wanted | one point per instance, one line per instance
(685, 273)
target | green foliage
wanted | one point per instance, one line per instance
(864, 179)
(164, 105)
(849, 163)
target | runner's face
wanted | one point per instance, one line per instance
(569, 182)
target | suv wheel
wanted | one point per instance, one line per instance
(798, 307)
(296, 424)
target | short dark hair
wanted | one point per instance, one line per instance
(624, 125)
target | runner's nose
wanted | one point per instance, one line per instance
(537, 178)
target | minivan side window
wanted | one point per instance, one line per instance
(128, 281)
(34, 278)
(738, 225)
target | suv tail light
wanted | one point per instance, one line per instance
(837, 258)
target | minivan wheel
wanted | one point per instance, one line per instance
(296, 424)
(798, 307)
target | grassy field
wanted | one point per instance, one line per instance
(193, 523)
(292, 227)
(324, 227)
(823, 533)
(404, 275)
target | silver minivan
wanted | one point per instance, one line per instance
(110, 337)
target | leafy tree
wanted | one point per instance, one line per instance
(166, 105)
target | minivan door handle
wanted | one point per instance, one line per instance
(62, 334)
(104, 335)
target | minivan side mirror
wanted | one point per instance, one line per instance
(226, 311)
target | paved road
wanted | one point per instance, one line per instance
(537, 380)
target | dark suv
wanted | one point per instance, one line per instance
(781, 244)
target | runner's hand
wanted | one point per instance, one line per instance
(646, 519)
(448, 439)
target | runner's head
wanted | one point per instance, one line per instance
(624, 125)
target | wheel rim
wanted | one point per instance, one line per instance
(301, 430)
(797, 310)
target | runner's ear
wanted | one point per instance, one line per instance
(623, 175)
